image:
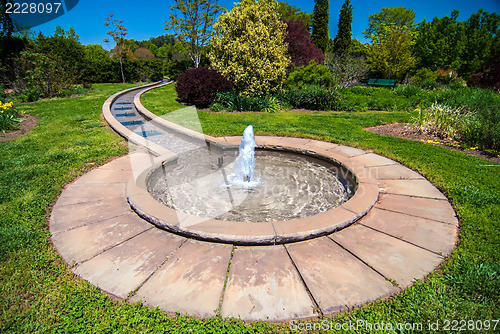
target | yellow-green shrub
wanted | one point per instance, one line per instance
(249, 47)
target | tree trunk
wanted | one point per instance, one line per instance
(121, 69)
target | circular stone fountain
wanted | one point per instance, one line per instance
(402, 237)
(245, 196)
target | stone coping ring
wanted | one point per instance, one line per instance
(261, 233)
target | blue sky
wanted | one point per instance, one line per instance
(144, 19)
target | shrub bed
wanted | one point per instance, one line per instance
(309, 97)
(313, 98)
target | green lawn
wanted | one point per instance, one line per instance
(40, 293)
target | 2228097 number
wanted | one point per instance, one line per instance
(32, 8)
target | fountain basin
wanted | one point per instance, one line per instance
(364, 194)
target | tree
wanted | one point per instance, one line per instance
(249, 47)
(64, 45)
(482, 31)
(300, 47)
(488, 76)
(98, 65)
(291, 13)
(68, 34)
(143, 53)
(343, 39)
(440, 42)
(347, 68)
(10, 47)
(6, 24)
(320, 24)
(193, 20)
(121, 52)
(357, 48)
(118, 32)
(400, 18)
(45, 74)
(448, 43)
(391, 54)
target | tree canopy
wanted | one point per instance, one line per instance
(192, 21)
(300, 47)
(343, 39)
(392, 55)
(249, 47)
(448, 43)
(400, 18)
(321, 17)
(291, 13)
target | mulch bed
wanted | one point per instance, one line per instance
(408, 131)
(28, 123)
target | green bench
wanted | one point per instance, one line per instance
(382, 82)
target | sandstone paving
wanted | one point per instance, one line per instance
(349, 151)
(75, 194)
(371, 160)
(190, 282)
(102, 176)
(82, 243)
(395, 259)
(335, 278)
(420, 207)
(66, 217)
(122, 269)
(264, 284)
(121, 164)
(393, 172)
(435, 236)
(417, 188)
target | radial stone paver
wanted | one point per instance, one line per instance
(84, 242)
(395, 259)
(264, 284)
(403, 237)
(190, 282)
(419, 207)
(426, 233)
(69, 216)
(122, 269)
(336, 279)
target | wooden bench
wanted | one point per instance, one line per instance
(382, 82)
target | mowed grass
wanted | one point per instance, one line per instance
(39, 293)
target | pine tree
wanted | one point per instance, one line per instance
(343, 39)
(320, 24)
